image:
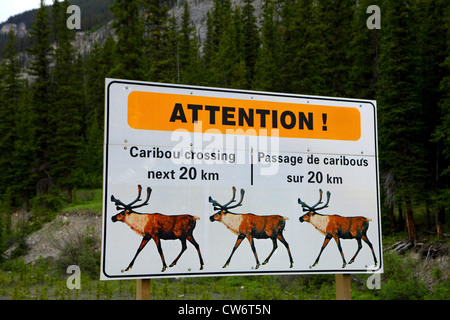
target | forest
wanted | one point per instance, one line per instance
(52, 114)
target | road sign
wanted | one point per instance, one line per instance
(203, 181)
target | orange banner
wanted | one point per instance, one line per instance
(170, 112)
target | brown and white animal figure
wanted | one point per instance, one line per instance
(250, 226)
(337, 227)
(157, 226)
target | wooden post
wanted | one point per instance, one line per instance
(143, 289)
(343, 287)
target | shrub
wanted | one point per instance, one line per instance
(80, 249)
(403, 281)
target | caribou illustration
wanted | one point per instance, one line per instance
(337, 227)
(157, 226)
(250, 226)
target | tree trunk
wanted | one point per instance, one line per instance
(428, 214)
(440, 219)
(391, 216)
(401, 220)
(410, 221)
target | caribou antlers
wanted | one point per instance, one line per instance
(226, 206)
(313, 208)
(129, 207)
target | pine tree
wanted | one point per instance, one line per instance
(190, 65)
(334, 32)
(97, 69)
(251, 41)
(430, 52)
(443, 130)
(9, 87)
(302, 49)
(129, 29)
(41, 89)
(441, 134)
(230, 64)
(170, 65)
(17, 183)
(364, 55)
(158, 37)
(22, 186)
(218, 20)
(68, 105)
(400, 118)
(268, 64)
(11, 91)
(227, 66)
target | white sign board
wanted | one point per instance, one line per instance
(205, 181)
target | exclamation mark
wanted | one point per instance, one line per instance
(324, 118)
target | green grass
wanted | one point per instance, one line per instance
(86, 199)
(46, 280)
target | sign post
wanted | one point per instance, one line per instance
(191, 173)
(143, 289)
(343, 287)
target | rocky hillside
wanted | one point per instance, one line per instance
(96, 26)
(67, 229)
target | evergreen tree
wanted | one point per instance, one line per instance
(97, 69)
(41, 88)
(443, 130)
(129, 47)
(11, 91)
(302, 49)
(229, 69)
(190, 65)
(218, 20)
(430, 52)
(400, 118)
(227, 65)
(22, 186)
(159, 46)
(334, 33)
(170, 66)
(441, 135)
(363, 54)
(68, 105)
(268, 64)
(251, 41)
